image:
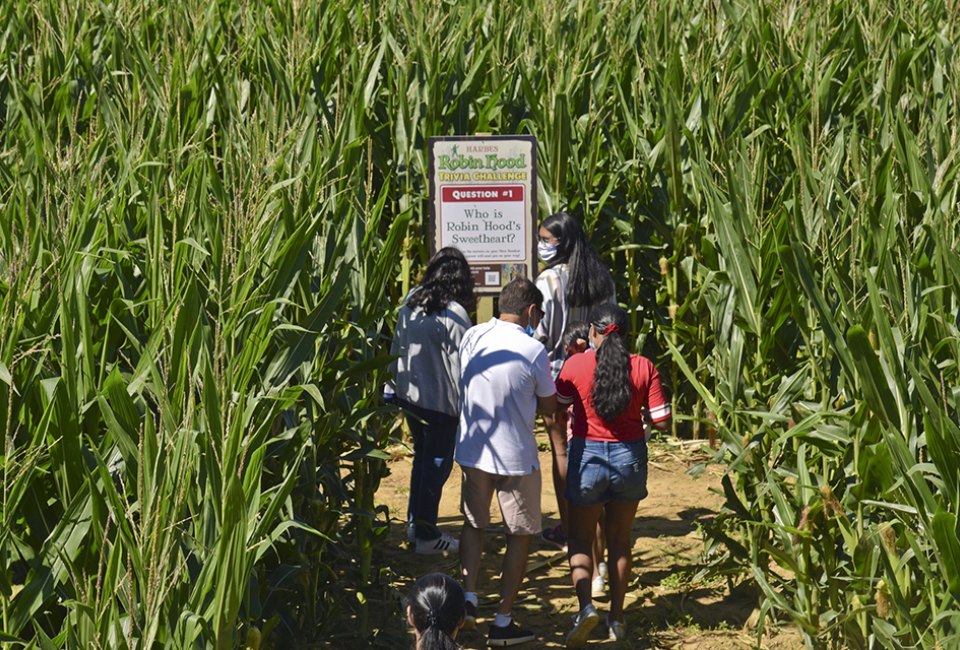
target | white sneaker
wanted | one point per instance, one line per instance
(443, 544)
(583, 624)
(597, 587)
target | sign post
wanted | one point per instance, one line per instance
(483, 201)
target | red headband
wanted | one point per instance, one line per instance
(610, 329)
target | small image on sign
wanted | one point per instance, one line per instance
(491, 278)
(512, 272)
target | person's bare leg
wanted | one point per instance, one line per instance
(559, 486)
(471, 552)
(619, 529)
(582, 524)
(512, 570)
(557, 433)
(599, 547)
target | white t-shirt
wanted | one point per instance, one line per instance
(503, 372)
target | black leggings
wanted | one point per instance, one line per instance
(434, 436)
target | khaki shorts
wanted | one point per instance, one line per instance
(518, 496)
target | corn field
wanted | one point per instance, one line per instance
(209, 211)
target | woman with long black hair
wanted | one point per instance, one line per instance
(426, 378)
(615, 396)
(436, 611)
(573, 282)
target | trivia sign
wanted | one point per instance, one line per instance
(484, 201)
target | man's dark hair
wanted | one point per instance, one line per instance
(519, 294)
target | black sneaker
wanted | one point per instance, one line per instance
(513, 634)
(469, 616)
(555, 537)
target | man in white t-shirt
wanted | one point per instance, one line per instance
(505, 381)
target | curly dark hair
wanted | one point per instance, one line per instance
(612, 388)
(590, 280)
(447, 277)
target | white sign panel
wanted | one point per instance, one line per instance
(486, 220)
(483, 193)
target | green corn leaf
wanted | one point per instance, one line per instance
(121, 415)
(947, 536)
(230, 572)
(943, 435)
(62, 547)
(559, 144)
(872, 376)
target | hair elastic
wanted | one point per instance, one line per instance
(610, 329)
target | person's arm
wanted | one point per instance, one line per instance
(657, 404)
(662, 425)
(457, 322)
(556, 425)
(561, 417)
(396, 350)
(546, 392)
(397, 334)
(548, 284)
(547, 406)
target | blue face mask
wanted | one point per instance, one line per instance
(529, 330)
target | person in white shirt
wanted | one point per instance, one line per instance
(505, 381)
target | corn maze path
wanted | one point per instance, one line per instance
(666, 606)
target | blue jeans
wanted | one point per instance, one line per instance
(599, 472)
(434, 436)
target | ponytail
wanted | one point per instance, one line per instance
(437, 608)
(612, 388)
(433, 638)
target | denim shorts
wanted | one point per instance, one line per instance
(599, 472)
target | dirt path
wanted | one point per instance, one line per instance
(665, 606)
